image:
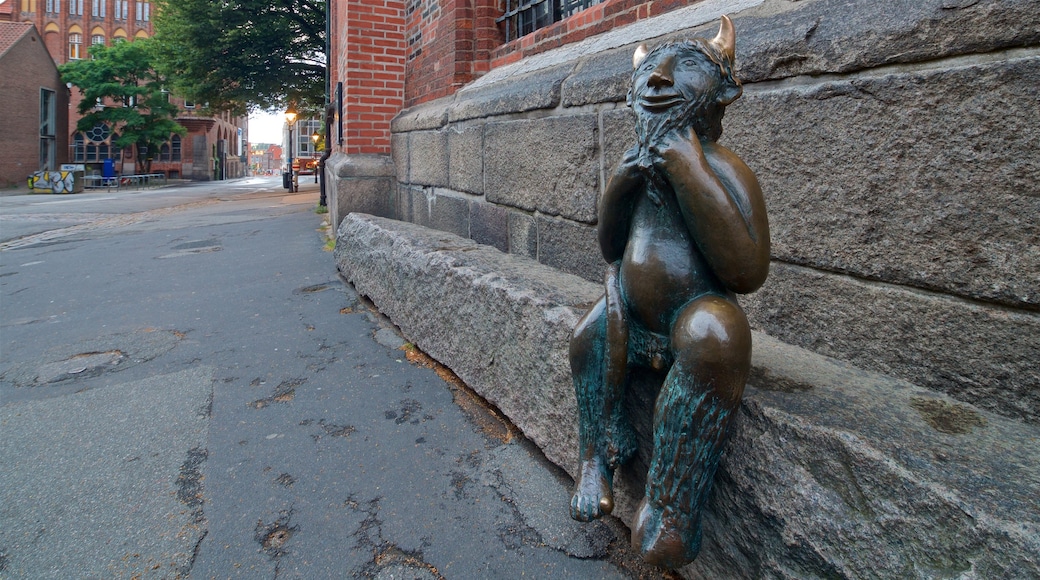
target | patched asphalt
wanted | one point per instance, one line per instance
(194, 392)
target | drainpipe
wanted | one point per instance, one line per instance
(330, 115)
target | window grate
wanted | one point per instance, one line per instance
(522, 17)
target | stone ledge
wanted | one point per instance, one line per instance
(833, 471)
(775, 40)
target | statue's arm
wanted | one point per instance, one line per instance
(616, 206)
(723, 207)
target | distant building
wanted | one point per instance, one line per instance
(36, 120)
(265, 159)
(303, 146)
(215, 146)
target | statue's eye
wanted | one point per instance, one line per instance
(689, 63)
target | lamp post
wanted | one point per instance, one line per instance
(314, 139)
(290, 120)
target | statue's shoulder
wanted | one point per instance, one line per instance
(728, 164)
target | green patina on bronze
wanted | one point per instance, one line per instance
(683, 228)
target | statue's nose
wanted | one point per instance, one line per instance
(662, 75)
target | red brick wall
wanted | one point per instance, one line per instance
(590, 22)
(449, 45)
(368, 59)
(395, 53)
(25, 68)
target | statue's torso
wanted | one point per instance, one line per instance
(662, 269)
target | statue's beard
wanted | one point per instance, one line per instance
(652, 127)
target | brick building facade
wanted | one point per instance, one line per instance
(215, 146)
(34, 103)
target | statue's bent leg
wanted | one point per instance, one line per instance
(711, 342)
(597, 348)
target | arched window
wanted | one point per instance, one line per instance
(164, 152)
(175, 148)
(99, 133)
(75, 46)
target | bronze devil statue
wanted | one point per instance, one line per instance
(682, 225)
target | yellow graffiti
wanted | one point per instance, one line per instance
(55, 181)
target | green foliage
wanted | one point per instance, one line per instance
(238, 54)
(134, 103)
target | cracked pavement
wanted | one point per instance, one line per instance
(190, 390)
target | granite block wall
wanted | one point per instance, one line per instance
(894, 143)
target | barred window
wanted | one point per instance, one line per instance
(522, 17)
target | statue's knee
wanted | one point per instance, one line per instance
(714, 332)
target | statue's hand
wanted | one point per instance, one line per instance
(676, 145)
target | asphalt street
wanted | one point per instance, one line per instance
(189, 390)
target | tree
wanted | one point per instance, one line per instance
(121, 88)
(239, 54)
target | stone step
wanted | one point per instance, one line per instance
(833, 471)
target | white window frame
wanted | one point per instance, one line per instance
(75, 46)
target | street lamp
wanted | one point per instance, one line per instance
(314, 138)
(290, 120)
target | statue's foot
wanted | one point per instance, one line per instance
(593, 495)
(663, 539)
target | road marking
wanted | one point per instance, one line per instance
(73, 200)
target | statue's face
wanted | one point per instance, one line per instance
(672, 79)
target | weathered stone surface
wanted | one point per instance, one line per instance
(489, 225)
(862, 176)
(400, 151)
(516, 314)
(428, 161)
(599, 78)
(363, 183)
(405, 202)
(851, 478)
(523, 235)
(525, 92)
(976, 353)
(780, 40)
(832, 472)
(546, 165)
(570, 247)
(440, 210)
(466, 152)
(619, 135)
(431, 115)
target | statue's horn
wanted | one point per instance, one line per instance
(726, 39)
(639, 55)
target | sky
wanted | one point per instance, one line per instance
(266, 128)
